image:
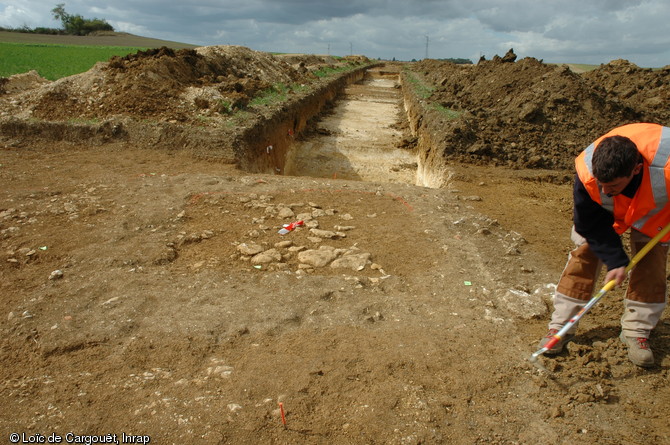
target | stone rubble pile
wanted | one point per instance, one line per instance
(310, 253)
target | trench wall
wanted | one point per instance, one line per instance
(432, 168)
(263, 147)
(122, 130)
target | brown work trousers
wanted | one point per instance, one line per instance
(645, 297)
(647, 281)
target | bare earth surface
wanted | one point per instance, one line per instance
(147, 291)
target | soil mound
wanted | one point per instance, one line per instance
(528, 114)
(21, 82)
(305, 61)
(161, 84)
(641, 88)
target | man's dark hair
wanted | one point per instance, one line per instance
(615, 157)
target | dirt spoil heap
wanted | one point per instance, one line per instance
(528, 114)
(189, 86)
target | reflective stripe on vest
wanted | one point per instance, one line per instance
(657, 178)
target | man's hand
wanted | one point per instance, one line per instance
(619, 274)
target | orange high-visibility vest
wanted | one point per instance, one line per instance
(648, 211)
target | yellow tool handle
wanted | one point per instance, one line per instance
(636, 259)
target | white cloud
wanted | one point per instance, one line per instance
(130, 28)
(594, 31)
(17, 14)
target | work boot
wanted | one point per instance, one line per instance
(639, 351)
(558, 347)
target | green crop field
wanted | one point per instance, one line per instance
(55, 61)
(59, 56)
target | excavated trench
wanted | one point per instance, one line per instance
(349, 129)
(357, 136)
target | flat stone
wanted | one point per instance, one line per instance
(353, 262)
(249, 249)
(317, 258)
(269, 256)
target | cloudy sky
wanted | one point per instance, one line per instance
(556, 31)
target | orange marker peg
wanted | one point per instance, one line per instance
(281, 410)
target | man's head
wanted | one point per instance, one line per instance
(615, 162)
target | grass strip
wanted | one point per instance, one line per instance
(424, 92)
(55, 61)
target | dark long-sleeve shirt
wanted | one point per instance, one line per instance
(594, 223)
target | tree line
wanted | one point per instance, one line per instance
(73, 24)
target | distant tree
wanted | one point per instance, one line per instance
(458, 61)
(76, 24)
(96, 25)
(60, 14)
(38, 30)
(461, 61)
(42, 30)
